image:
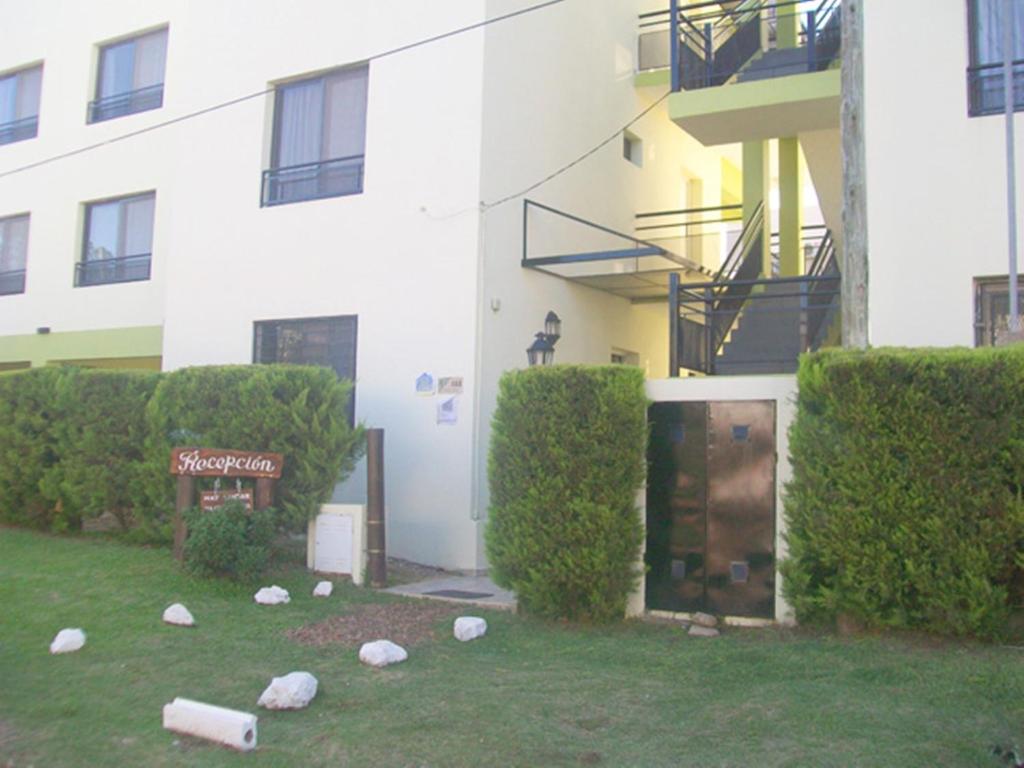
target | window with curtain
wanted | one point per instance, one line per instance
(319, 137)
(19, 104)
(13, 254)
(130, 77)
(985, 74)
(118, 241)
(325, 341)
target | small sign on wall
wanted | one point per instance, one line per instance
(449, 385)
(448, 411)
(425, 385)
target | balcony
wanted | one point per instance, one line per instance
(753, 71)
(985, 88)
(127, 269)
(12, 282)
(122, 104)
(19, 130)
(312, 181)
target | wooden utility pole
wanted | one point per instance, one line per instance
(855, 202)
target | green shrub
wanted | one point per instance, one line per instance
(566, 460)
(299, 411)
(905, 508)
(229, 541)
(98, 438)
(27, 446)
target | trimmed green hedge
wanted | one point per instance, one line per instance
(566, 460)
(76, 443)
(27, 450)
(905, 508)
(300, 411)
(98, 429)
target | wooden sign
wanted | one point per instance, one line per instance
(190, 463)
(213, 462)
(211, 500)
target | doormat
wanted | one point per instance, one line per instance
(458, 594)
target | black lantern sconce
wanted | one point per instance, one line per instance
(542, 351)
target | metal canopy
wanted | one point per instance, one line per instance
(601, 258)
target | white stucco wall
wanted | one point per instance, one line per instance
(936, 179)
(221, 262)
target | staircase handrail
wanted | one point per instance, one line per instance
(740, 248)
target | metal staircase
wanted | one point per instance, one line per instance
(745, 323)
(712, 45)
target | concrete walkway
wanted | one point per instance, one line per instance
(470, 590)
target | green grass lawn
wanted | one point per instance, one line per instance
(529, 693)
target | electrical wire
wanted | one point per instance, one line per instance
(266, 91)
(555, 174)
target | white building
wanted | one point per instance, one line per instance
(186, 183)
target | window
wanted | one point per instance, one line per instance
(118, 241)
(326, 341)
(319, 138)
(985, 74)
(992, 308)
(130, 77)
(13, 252)
(19, 104)
(633, 149)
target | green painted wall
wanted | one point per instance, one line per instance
(119, 347)
(756, 187)
(791, 219)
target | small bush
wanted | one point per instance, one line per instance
(229, 541)
(566, 460)
(28, 452)
(299, 411)
(905, 508)
(98, 438)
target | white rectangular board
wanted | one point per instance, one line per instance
(333, 553)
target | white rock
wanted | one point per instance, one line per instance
(67, 640)
(469, 628)
(380, 653)
(293, 691)
(698, 631)
(179, 615)
(323, 589)
(704, 620)
(273, 595)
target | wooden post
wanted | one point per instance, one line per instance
(184, 499)
(855, 202)
(375, 546)
(264, 492)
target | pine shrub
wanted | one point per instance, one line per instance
(905, 509)
(98, 438)
(298, 411)
(229, 541)
(566, 461)
(27, 446)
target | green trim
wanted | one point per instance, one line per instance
(782, 106)
(791, 219)
(42, 349)
(651, 78)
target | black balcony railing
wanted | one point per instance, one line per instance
(127, 269)
(121, 104)
(19, 130)
(985, 88)
(12, 282)
(310, 181)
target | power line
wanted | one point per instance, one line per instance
(578, 160)
(266, 91)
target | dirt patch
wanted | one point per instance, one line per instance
(6, 737)
(408, 572)
(404, 623)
